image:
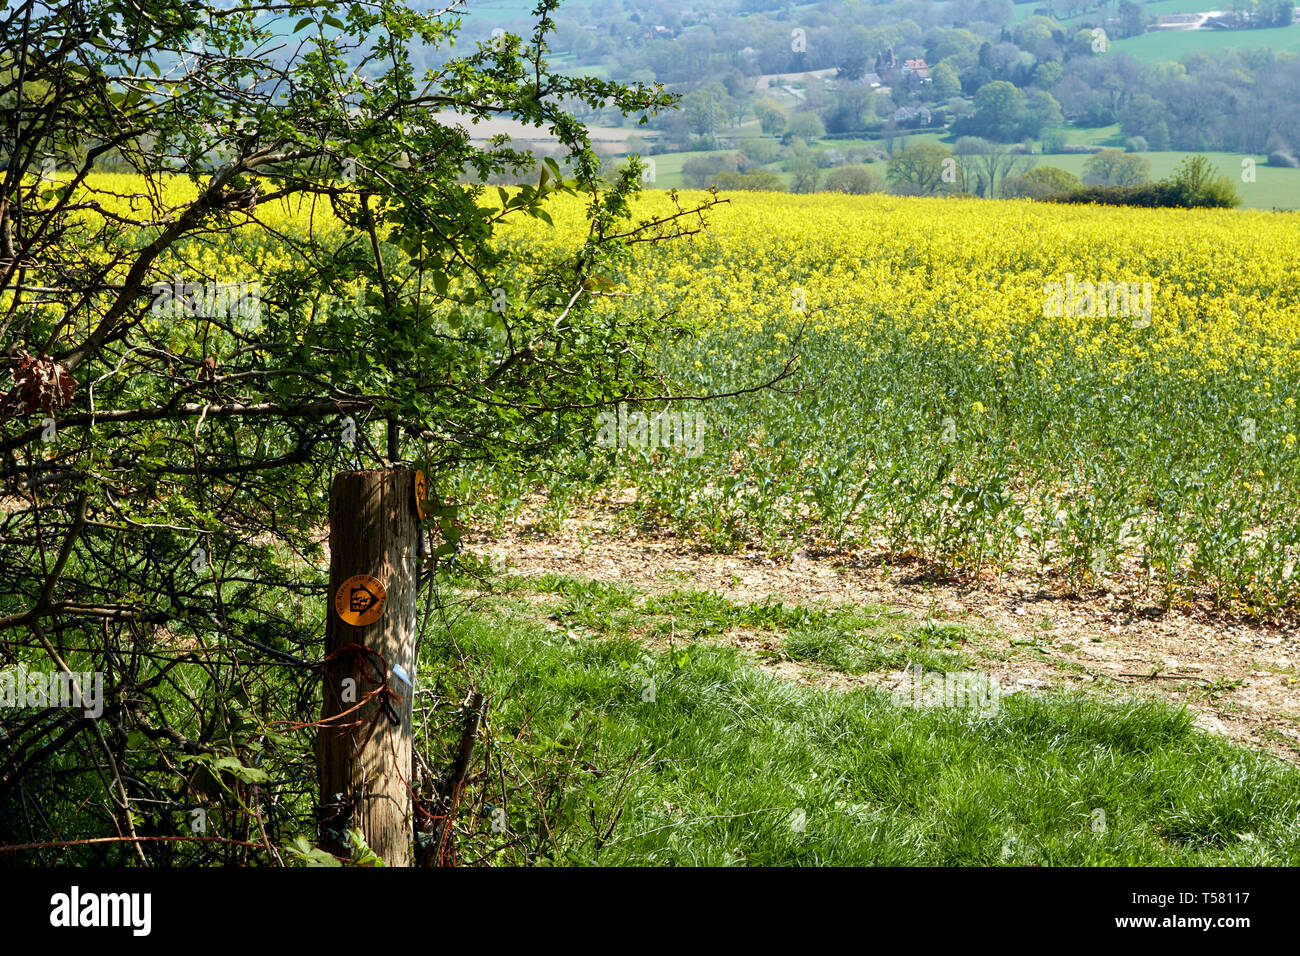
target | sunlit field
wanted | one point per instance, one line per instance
(960, 398)
(940, 414)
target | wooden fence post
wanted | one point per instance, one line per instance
(363, 758)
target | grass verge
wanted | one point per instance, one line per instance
(687, 753)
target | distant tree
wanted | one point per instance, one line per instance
(702, 172)
(814, 93)
(944, 81)
(1041, 112)
(772, 118)
(1243, 11)
(960, 47)
(854, 180)
(999, 110)
(1113, 167)
(737, 85)
(1201, 183)
(983, 165)
(921, 169)
(1141, 114)
(1053, 140)
(803, 169)
(804, 177)
(967, 175)
(1000, 12)
(1041, 182)
(974, 78)
(853, 65)
(760, 152)
(854, 106)
(1132, 20)
(759, 180)
(1034, 32)
(852, 52)
(705, 109)
(1053, 176)
(1089, 42)
(1158, 136)
(1047, 75)
(807, 126)
(958, 107)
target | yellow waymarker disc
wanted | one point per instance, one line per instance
(360, 600)
(421, 493)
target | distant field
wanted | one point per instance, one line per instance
(668, 169)
(566, 63)
(1175, 44)
(1160, 7)
(1274, 188)
(1096, 136)
(915, 138)
(1165, 7)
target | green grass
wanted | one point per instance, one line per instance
(915, 139)
(668, 168)
(1274, 186)
(713, 762)
(1163, 7)
(1172, 45)
(568, 64)
(1096, 136)
(1160, 7)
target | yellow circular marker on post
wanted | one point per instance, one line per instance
(360, 600)
(421, 493)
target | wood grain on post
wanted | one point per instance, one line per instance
(364, 764)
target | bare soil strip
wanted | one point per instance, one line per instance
(1240, 679)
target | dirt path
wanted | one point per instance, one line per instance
(1242, 680)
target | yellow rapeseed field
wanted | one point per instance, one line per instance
(1107, 395)
(971, 274)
